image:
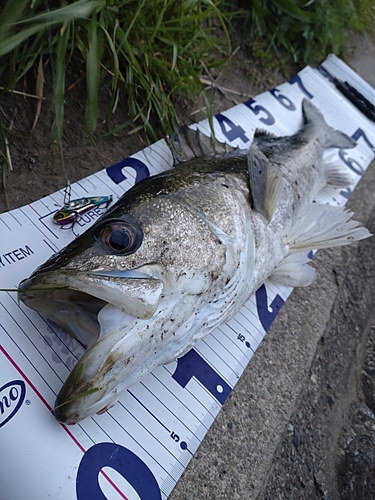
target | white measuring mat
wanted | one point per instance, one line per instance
(140, 447)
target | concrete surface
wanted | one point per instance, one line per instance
(300, 421)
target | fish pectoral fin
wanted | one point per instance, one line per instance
(323, 226)
(266, 182)
(293, 271)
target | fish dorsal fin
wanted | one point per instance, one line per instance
(324, 226)
(187, 144)
(294, 270)
(266, 182)
(261, 133)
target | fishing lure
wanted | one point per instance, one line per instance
(73, 209)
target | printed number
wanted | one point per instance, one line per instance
(352, 164)
(283, 100)
(115, 172)
(297, 79)
(193, 365)
(267, 313)
(346, 193)
(360, 133)
(119, 458)
(175, 437)
(268, 119)
(230, 130)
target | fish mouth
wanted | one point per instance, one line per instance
(91, 306)
(74, 300)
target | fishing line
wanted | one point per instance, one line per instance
(68, 187)
(72, 209)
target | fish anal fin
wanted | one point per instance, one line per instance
(324, 226)
(336, 173)
(266, 182)
(293, 271)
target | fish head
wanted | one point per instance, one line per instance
(129, 289)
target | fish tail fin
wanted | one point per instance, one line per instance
(187, 144)
(331, 138)
(324, 226)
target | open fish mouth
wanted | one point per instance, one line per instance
(89, 307)
(74, 300)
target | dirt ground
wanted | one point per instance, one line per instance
(37, 168)
(324, 440)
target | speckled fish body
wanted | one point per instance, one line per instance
(181, 252)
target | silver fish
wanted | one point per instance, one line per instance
(181, 252)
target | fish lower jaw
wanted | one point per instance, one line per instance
(71, 412)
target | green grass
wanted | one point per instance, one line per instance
(146, 51)
(146, 54)
(305, 31)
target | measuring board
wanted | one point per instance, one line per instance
(141, 446)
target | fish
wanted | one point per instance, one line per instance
(182, 251)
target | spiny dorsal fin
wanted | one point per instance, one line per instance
(293, 271)
(323, 226)
(266, 182)
(260, 132)
(187, 144)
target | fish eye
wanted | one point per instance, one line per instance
(121, 237)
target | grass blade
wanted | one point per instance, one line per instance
(92, 75)
(59, 83)
(5, 165)
(39, 91)
(79, 9)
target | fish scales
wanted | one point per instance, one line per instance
(181, 252)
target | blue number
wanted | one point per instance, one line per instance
(360, 133)
(283, 100)
(230, 130)
(268, 119)
(352, 164)
(119, 458)
(116, 174)
(193, 365)
(241, 337)
(346, 193)
(297, 79)
(265, 315)
(175, 437)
